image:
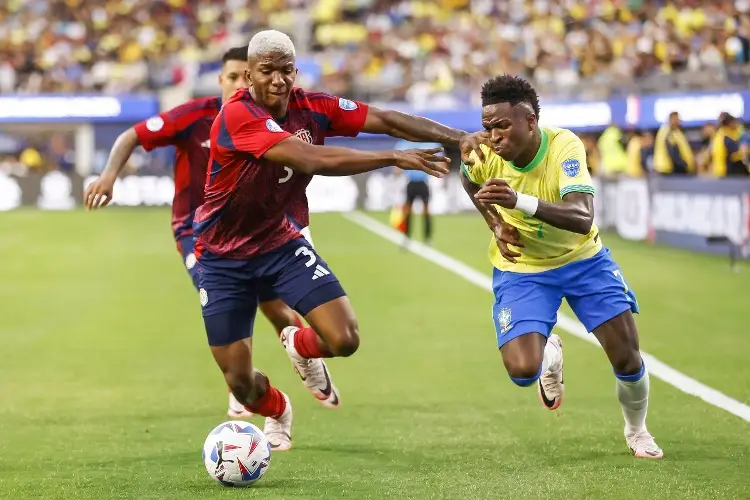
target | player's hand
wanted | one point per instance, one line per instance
(426, 160)
(469, 143)
(505, 235)
(98, 194)
(497, 192)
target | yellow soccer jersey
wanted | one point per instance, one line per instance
(558, 168)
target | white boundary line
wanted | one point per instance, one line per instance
(656, 368)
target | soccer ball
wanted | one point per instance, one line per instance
(236, 453)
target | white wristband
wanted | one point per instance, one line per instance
(526, 203)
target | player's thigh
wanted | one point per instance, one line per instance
(596, 290)
(524, 304)
(186, 247)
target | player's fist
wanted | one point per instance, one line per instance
(497, 192)
(505, 235)
(98, 194)
(426, 160)
(469, 143)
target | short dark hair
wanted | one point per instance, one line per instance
(235, 54)
(511, 89)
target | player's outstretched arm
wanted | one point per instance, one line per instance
(99, 192)
(334, 161)
(504, 234)
(574, 213)
(419, 129)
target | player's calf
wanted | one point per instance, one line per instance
(280, 315)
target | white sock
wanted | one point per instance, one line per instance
(633, 397)
(551, 358)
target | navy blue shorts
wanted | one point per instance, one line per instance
(230, 289)
(267, 293)
(528, 302)
(186, 246)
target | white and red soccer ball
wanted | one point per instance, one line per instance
(236, 453)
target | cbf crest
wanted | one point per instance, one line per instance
(571, 167)
(504, 319)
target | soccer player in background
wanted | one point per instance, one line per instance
(535, 193)
(417, 188)
(187, 128)
(266, 144)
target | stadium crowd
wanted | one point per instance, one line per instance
(415, 50)
(428, 53)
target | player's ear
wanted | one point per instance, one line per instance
(531, 120)
(247, 77)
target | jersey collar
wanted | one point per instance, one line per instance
(540, 154)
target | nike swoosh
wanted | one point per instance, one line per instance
(298, 372)
(327, 391)
(548, 403)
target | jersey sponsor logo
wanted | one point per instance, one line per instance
(190, 261)
(571, 167)
(347, 105)
(203, 294)
(155, 123)
(504, 319)
(304, 134)
(272, 126)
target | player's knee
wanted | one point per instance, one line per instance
(524, 371)
(346, 342)
(627, 362)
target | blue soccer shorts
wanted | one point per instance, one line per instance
(528, 302)
(186, 247)
(266, 293)
(230, 289)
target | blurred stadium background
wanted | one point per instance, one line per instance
(108, 362)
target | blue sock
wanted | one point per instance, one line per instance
(525, 382)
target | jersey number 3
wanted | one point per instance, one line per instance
(287, 175)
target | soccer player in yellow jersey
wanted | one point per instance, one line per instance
(534, 191)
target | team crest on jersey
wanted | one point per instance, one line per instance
(347, 105)
(503, 319)
(571, 167)
(305, 135)
(155, 123)
(203, 294)
(272, 126)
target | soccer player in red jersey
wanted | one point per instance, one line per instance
(187, 127)
(266, 144)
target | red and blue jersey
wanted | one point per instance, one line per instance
(249, 200)
(186, 127)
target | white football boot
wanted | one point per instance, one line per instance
(550, 385)
(278, 431)
(237, 409)
(642, 445)
(313, 372)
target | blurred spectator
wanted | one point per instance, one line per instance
(639, 148)
(703, 155)
(429, 52)
(672, 152)
(728, 159)
(611, 145)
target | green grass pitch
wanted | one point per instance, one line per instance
(107, 388)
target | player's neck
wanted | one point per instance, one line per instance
(277, 112)
(529, 154)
